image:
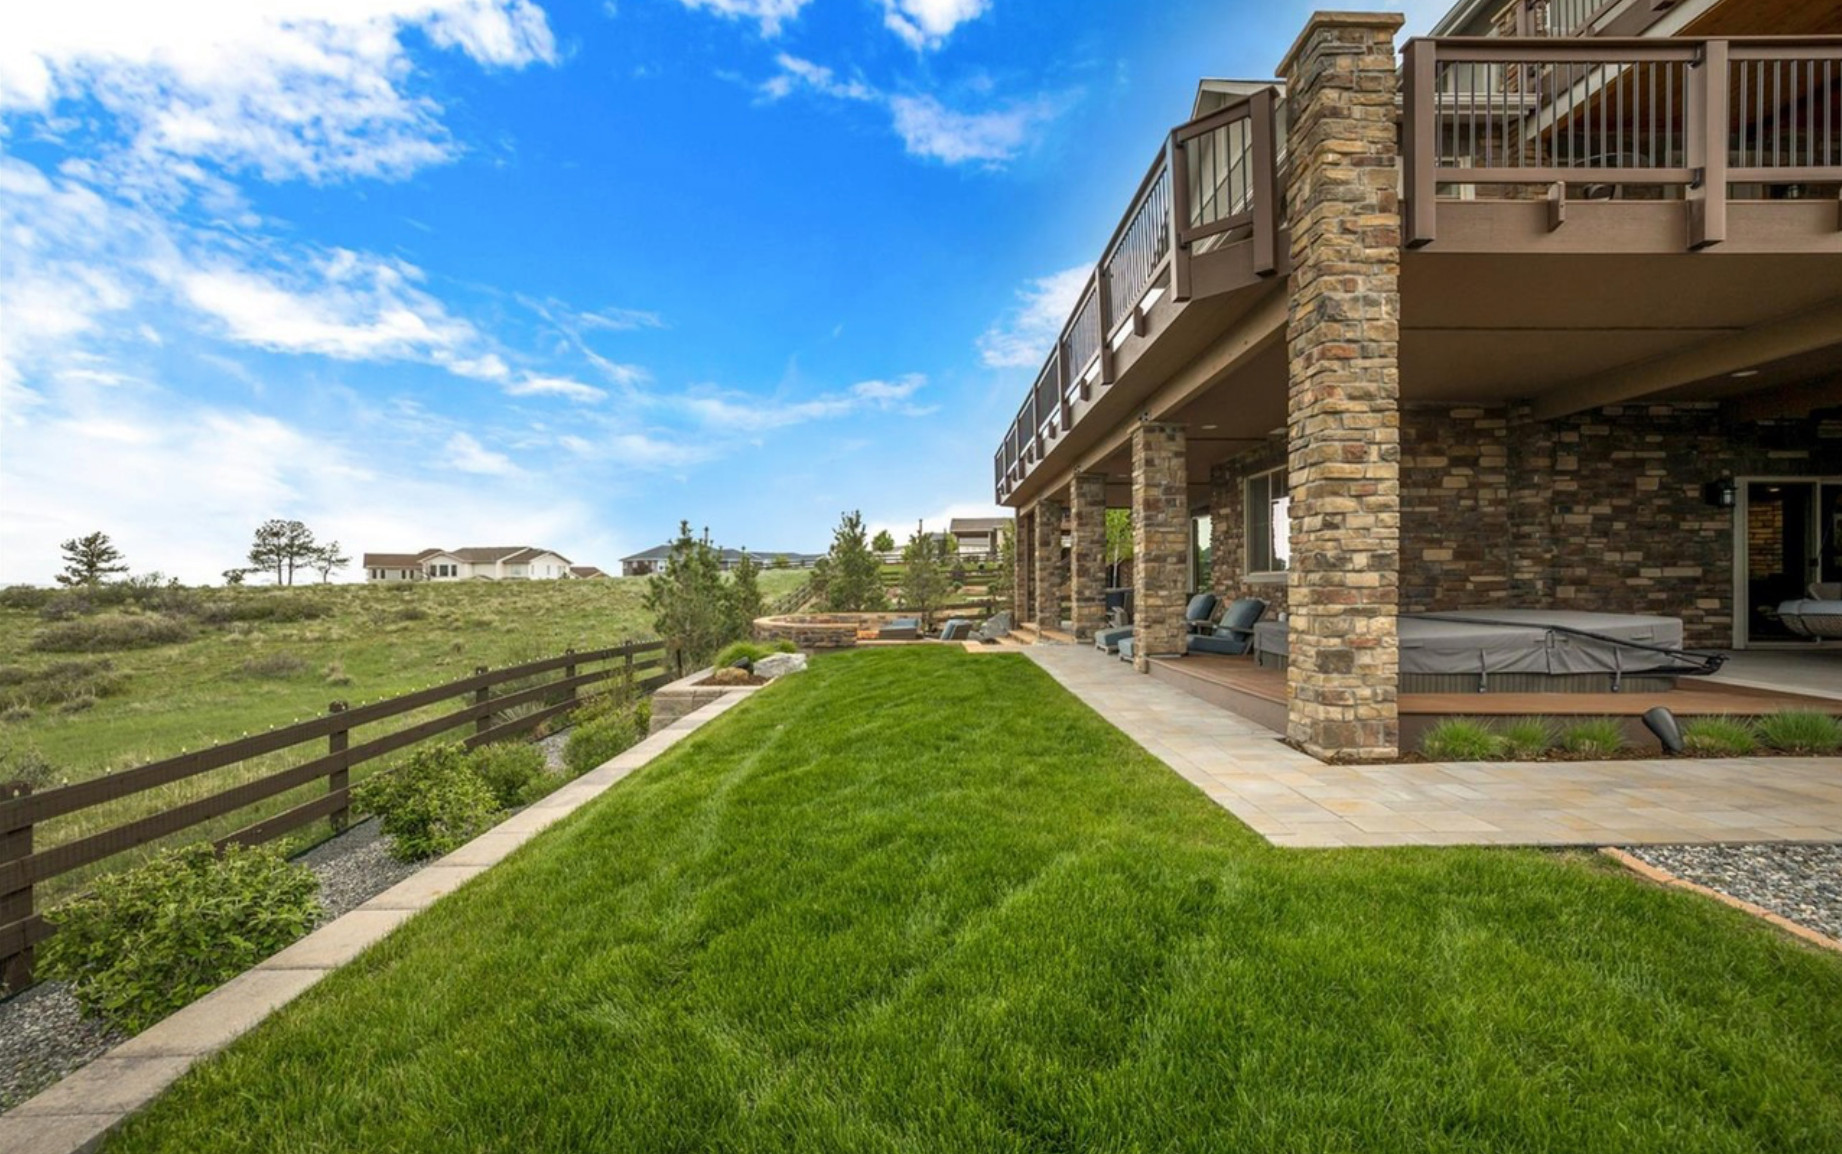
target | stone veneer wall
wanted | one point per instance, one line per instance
(1049, 567)
(1160, 541)
(1600, 511)
(1087, 554)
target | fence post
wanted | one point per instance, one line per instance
(336, 743)
(480, 697)
(16, 906)
(569, 674)
(628, 686)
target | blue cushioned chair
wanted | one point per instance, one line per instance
(1233, 635)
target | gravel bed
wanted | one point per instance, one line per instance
(43, 1036)
(1802, 883)
(552, 749)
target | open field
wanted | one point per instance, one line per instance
(916, 900)
(246, 675)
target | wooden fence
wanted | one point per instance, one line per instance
(21, 867)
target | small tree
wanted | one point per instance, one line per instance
(327, 559)
(687, 602)
(1006, 573)
(781, 562)
(924, 578)
(235, 576)
(90, 560)
(884, 543)
(742, 600)
(1118, 540)
(282, 547)
(856, 581)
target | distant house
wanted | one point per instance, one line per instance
(490, 562)
(652, 560)
(583, 572)
(977, 536)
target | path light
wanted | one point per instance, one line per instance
(1660, 721)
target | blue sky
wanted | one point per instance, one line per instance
(456, 272)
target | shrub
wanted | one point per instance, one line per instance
(25, 596)
(753, 650)
(262, 606)
(432, 803)
(1594, 737)
(25, 762)
(275, 665)
(57, 683)
(608, 736)
(107, 632)
(148, 940)
(335, 674)
(1724, 736)
(1461, 739)
(1801, 731)
(1526, 737)
(511, 770)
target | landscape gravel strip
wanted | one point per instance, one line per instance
(1799, 882)
(43, 1036)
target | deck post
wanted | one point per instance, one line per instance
(337, 742)
(1050, 571)
(1160, 541)
(1343, 419)
(1087, 554)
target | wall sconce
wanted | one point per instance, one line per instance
(1720, 494)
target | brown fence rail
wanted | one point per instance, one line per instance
(22, 868)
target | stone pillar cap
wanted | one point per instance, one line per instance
(1391, 21)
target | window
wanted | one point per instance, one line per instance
(1269, 524)
(1202, 552)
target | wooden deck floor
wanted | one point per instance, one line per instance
(1690, 698)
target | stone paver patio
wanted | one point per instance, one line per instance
(1295, 800)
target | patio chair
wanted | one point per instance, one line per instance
(1233, 635)
(1197, 613)
(901, 629)
(956, 629)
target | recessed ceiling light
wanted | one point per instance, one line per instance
(1743, 373)
(1211, 426)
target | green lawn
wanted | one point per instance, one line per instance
(919, 900)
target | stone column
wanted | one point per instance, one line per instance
(1160, 542)
(1343, 338)
(1051, 574)
(1087, 554)
(1020, 568)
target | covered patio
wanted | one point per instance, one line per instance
(1293, 799)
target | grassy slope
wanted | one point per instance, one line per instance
(918, 900)
(389, 641)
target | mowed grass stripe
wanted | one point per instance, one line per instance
(913, 901)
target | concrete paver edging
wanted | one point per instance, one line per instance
(73, 1115)
(1295, 800)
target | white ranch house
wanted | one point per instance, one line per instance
(492, 562)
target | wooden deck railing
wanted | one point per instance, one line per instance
(22, 868)
(1212, 183)
(1620, 118)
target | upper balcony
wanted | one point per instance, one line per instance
(1511, 149)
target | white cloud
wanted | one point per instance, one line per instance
(770, 14)
(466, 453)
(343, 304)
(925, 24)
(620, 320)
(739, 412)
(927, 127)
(1022, 339)
(286, 88)
(535, 386)
(796, 72)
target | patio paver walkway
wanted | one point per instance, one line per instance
(1295, 800)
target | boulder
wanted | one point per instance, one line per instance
(730, 675)
(776, 664)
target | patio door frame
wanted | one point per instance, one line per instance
(1742, 615)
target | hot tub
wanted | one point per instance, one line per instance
(1525, 651)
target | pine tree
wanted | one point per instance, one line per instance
(282, 547)
(687, 602)
(742, 600)
(856, 579)
(924, 578)
(90, 560)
